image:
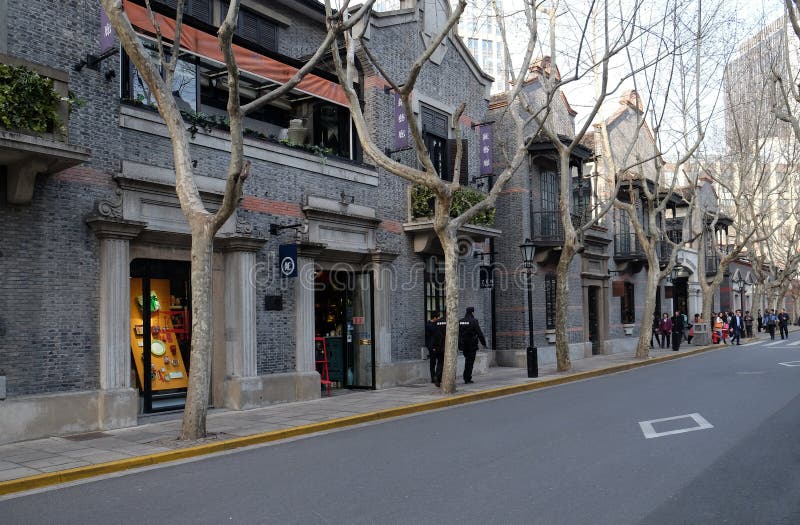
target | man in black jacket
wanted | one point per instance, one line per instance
(469, 333)
(783, 324)
(439, 332)
(677, 331)
(430, 337)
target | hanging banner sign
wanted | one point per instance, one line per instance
(287, 260)
(486, 158)
(400, 124)
(106, 33)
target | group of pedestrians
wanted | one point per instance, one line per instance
(671, 330)
(731, 326)
(771, 319)
(469, 335)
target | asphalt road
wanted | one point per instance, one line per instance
(570, 454)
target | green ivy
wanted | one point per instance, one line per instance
(423, 198)
(28, 100)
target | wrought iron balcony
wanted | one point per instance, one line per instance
(627, 247)
(712, 264)
(664, 249)
(546, 228)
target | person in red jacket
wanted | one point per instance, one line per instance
(665, 327)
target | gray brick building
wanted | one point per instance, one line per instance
(90, 215)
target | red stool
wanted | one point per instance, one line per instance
(321, 361)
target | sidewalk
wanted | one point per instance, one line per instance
(32, 464)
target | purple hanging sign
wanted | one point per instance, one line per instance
(485, 142)
(400, 124)
(106, 33)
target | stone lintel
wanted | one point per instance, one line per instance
(310, 250)
(109, 228)
(239, 243)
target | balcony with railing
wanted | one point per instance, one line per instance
(712, 264)
(627, 247)
(546, 228)
(33, 129)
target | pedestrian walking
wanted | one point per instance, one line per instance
(665, 329)
(437, 350)
(770, 319)
(691, 328)
(783, 324)
(431, 338)
(677, 331)
(748, 324)
(737, 327)
(718, 324)
(654, 332)
(469, 333)
(760, 321)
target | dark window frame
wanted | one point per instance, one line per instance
(626, 304)
(435, 290)
(435, 136)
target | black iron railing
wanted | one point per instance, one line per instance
(627, 246)
(546, 226)
(712, 264)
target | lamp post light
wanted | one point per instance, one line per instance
(528, 250)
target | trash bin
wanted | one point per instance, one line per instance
(701, 334)
(532, 356)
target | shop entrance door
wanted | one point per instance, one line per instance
(161, 323)
(594, 321)
(359, 340)
(343, 318)
(681, 295)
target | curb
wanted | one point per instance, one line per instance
(75, 474)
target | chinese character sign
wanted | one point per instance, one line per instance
(487, 161)
(106, 33)
(400, 124)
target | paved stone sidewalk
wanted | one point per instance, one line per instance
(29, 458)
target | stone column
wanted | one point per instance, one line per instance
(242, 388)
(382, 306)
(115, 360)
(307, 384)
(117, 401)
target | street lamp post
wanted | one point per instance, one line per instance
(528, 250)
(740, 283)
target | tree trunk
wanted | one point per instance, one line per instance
(646, 332)
(562, 307)
(450, 247)
(562, 269)
(194, 419)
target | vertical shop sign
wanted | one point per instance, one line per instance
(487, 160)
(106, 32)
(287, 260)
(400, 124)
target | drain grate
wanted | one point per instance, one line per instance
(87, 436)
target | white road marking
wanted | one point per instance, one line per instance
(750, 373)
(775, 343)
(790, 363)
(650, 432)
(796, 343)
(751, 344)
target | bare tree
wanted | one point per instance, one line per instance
(616, 28)
(203, 223)
(446, 227)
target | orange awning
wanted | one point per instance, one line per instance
(207, 45)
